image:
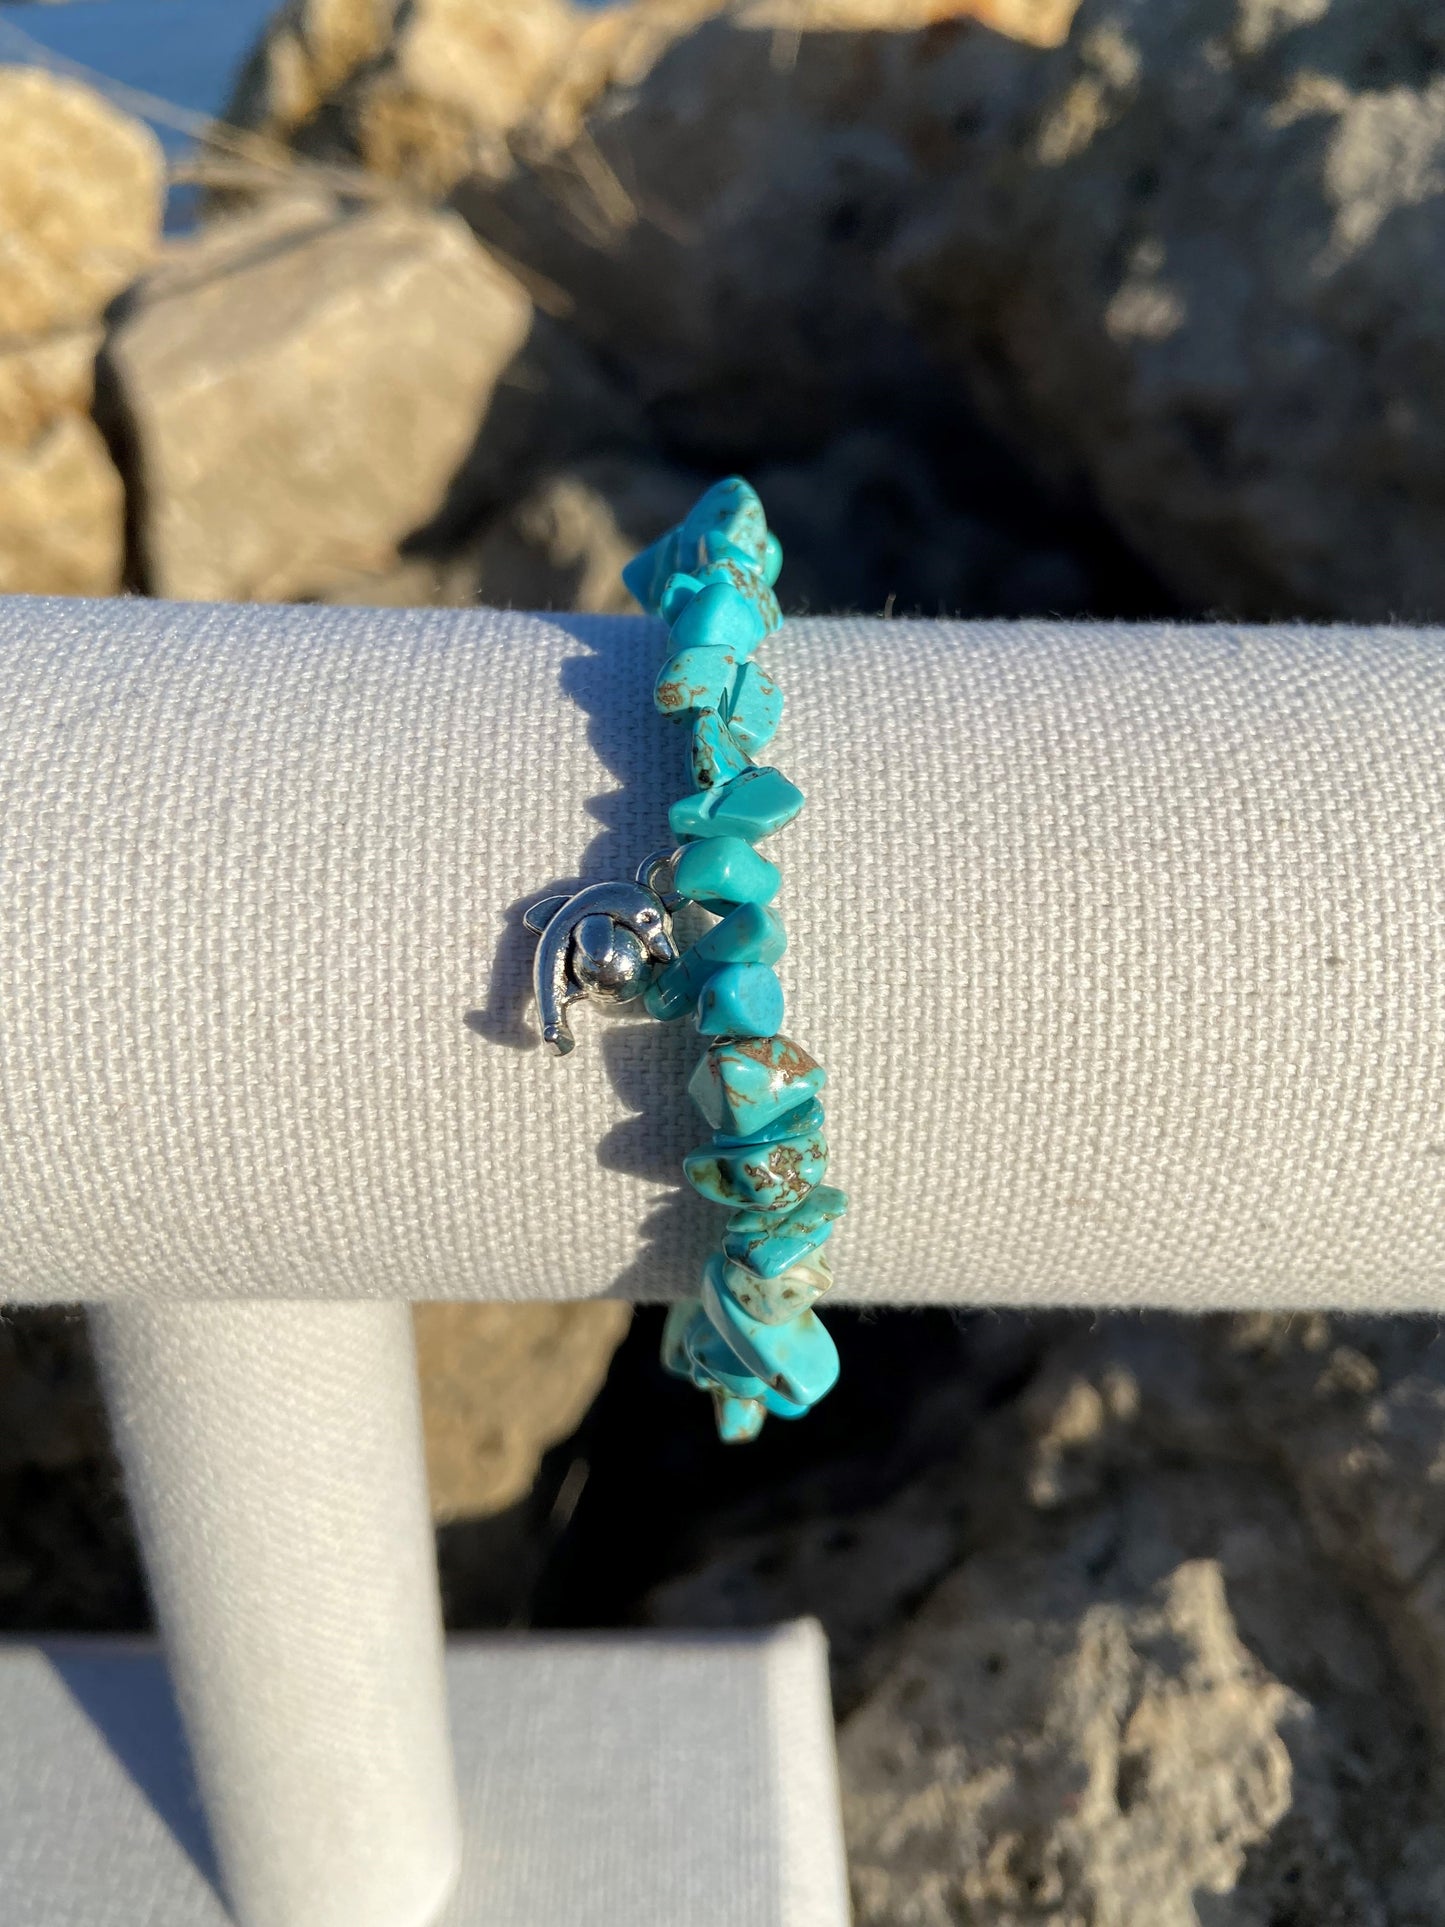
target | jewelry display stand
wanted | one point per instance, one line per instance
(1123, 948)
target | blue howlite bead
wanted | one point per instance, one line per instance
(717, 548)
(739, 1420)
(731, 511)
(759, 1177)
(747, 934)
(677, 592)
(796, 1123)
(723, 566)
(719, 616)
(755, 708)
(716, 753)
(680, 1319)
(724, 538)
(752, 805)
(770, 1244)
(741, 1086)
(644, 575)
(740, 1000)
(773, 1301)
(725, 869)
(716, 1363)
(798, 1359)
(781, 1407)
(692, 679)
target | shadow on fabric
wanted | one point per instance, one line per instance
(127, 1697)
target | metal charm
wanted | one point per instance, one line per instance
(604, 942)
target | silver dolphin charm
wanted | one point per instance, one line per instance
(603, 942)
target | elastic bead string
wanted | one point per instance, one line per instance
(748, 1334)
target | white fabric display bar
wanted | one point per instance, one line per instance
(1122, 946)
(636, 1781)
(273, 1462)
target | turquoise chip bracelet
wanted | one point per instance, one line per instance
(747, 1333)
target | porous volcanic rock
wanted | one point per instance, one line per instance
(1197, 268)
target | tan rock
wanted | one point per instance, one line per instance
(427, 92)
(564, 545)
(81, 187)
(62, 513)
(301, 389)
(1197, 274)
(500, 1384)
(45, 376)
(1119, 1758)
(309, 48)
(712, 189)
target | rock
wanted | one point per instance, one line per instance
(1046, 1749)
(44, 376)
(81, 188)
(1349, 1414)
(62, 504)
(709, 188)
(300, 389)
(1194, 269)
(712, 190)
(62, 512)
(700, 196)
(425, 92)
(564, 544)
(80, 208)
(308, 50)
(500, 1384)
(869, 1568)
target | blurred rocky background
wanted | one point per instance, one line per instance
(1009, 308)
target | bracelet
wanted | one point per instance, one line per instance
(747, 1333)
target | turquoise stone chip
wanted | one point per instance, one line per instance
(759, 1177)
(724, 538)
(747, 934)
(716, 753)
(719, 616)
(680, 1320)
(773, 1301)
(754, 709)
(677, 592)
(732, 512)
(695, 679)
(645, 574)
(739, 1420)
(770, 1244)
(795, 1123)
(781, 1407)
(798, 1358)
(725, 869)
(741, 1086)
(716, 1363)
(752, 805)
(717, 548)
(740, 1000)
(724, 566)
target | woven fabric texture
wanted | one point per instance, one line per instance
(608, 1781)
(1121, 945)
(273, 1463)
